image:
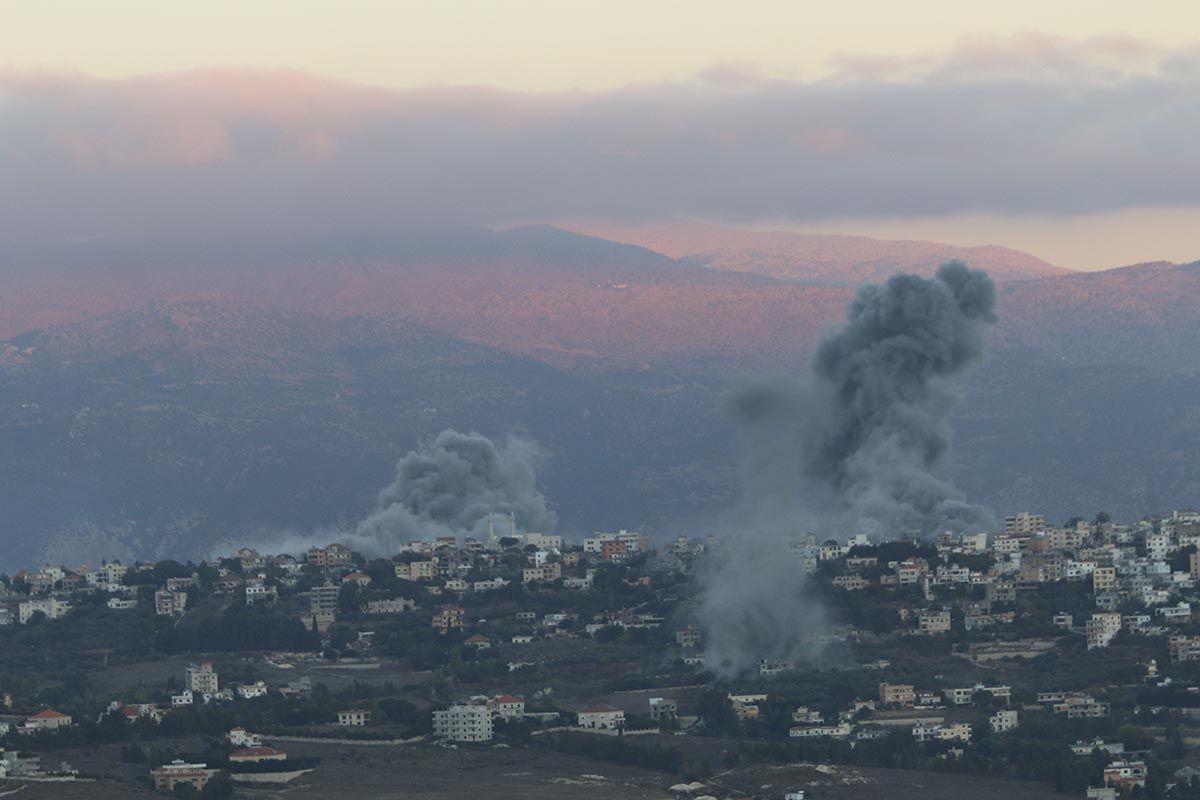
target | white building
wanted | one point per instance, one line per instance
(839, 731)
(601, 717)
(616, 545)
(240, 737)
(354, 718)
(393, 606)
(250, 691)
(52, 607)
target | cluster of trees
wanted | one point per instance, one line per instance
(617, 750)
(239, 628)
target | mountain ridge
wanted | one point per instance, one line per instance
(829, 258)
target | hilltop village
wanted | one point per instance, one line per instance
(1067, 655)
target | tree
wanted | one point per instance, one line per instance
(219, 787)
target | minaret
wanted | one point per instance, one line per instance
(512, 519)
(491, 531)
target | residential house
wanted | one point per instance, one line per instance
(256, 755)
(47, 720)
(354, 718)
(601, 717)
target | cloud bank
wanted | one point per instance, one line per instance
(1023, 124)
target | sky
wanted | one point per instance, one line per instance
(1064, 128)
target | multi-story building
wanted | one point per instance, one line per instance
(621, 543)
(170, 604)
(910, 571)
(323, 600)
(464, 722)
(1184, 648)
(201, 679)
(1024, 523)
(931, 623)
(448, 617)
(1104, 579)
(897, 694)
(550, 571)
(1101, 629)
(417, 570)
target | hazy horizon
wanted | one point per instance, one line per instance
(1046, 129)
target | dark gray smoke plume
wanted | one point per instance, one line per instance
(860, 443)
(856, 448)
(450, 487)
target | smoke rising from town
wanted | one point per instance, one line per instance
(450, 487)
(446, 487)
(857, 447)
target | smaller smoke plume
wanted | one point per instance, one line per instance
(856, 448)
(450, 487)
(447, 487)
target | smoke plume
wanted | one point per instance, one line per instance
(450, 486)
(855, 448)
(446, 487)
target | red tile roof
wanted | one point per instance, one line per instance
(49, 713)
(255, 752)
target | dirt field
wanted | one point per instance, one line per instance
(865, 783)
(436, 773)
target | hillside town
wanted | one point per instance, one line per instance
(1067, 654)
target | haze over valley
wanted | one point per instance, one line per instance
(168, 395)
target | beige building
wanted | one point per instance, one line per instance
(201, 679)
(1104, 579)
(177, 773)
(897, 694)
